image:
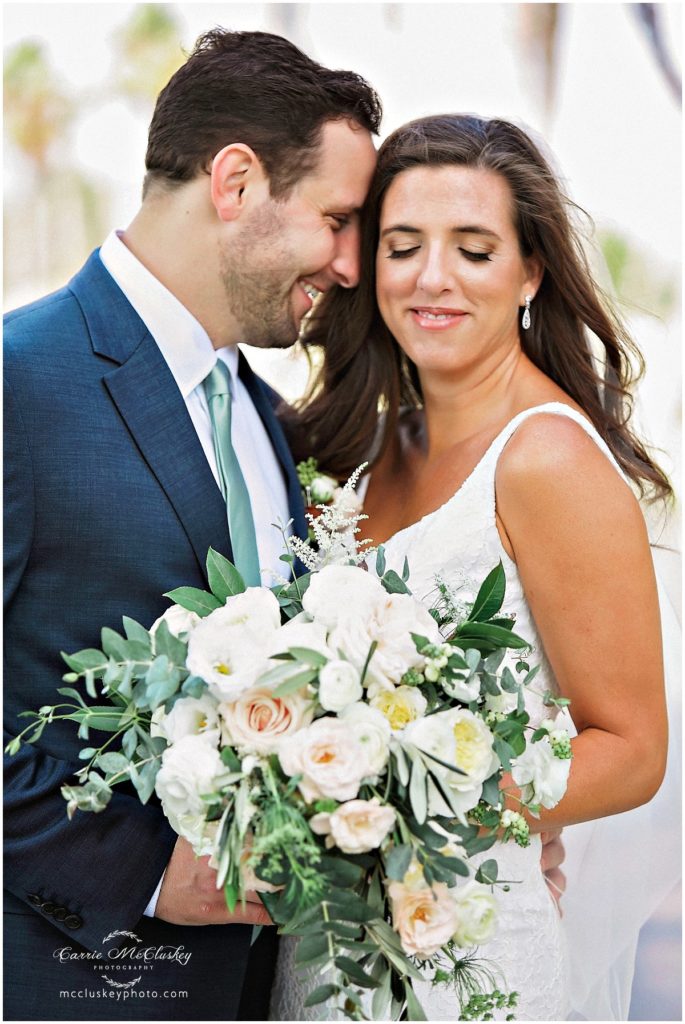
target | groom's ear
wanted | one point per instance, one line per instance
(237, 176)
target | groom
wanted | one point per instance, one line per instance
(258, 161)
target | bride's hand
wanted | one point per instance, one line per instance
(553, 855)
(189, 895)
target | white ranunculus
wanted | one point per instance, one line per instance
(541, 776)
(425, 918)
(372, 731)
(189, 768)
(301, 631)
(389, 623)
(460, 738)
(257, 721)
(322, 489)
(229, 647)
(361, 825)
(502, 704)
(465, 691)
(400, 705)
(476, 914)
(328, 756)
(190, 716)
(180, 622)
(339, 685)
(338, 588)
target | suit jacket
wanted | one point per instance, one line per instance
(109, 502)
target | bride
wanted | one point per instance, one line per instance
(505, 436)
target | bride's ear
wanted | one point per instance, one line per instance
(237, 178)
(535, 272)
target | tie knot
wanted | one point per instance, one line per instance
(218, 381)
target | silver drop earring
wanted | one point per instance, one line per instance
(525, 319)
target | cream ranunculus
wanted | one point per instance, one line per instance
(361, 825)
(339, 685)
(257, 722)
(336, 589)
(229, 648)
(541, 776)
(328, 756)
(425, 918)
(322, 489)
(189, 768)
(180, 622)
(400, 705)
(389, 623)
(190, 716)
(476, 914)
(372, 731)
(460, 738)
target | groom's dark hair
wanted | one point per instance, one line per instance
(258, 89)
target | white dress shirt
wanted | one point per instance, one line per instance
(190, 356)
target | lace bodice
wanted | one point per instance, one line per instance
(459, 544)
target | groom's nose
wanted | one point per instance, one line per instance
(344, 266)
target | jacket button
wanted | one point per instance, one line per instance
(49, 908)
(35, 899)
(60, 913)
(73, 921)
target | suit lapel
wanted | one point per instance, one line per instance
(148, 399)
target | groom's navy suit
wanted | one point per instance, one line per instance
(109, 503)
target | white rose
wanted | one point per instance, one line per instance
(322, 489)
(361, 825)
(188, 770)
(424, 918)
(257, 722)
(400, 705)
(228, 648)
(541, 776)
(466, 692)
(339, 685)
(476, 914)
(336, 589)
(372, 731)
(300, 631)
(460, 738)
(328, 756)
(190, 716)
(202, 835)
(179, 621)
(389, 623)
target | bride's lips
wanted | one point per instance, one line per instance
(437, 318)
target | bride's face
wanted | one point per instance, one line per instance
(449, 271)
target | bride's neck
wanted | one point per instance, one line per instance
(458, 407)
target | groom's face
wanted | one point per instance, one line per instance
(289, 250)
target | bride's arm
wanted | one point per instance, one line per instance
(579, 539)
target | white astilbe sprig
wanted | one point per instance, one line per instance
(335, 530)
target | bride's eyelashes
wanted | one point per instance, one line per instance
(474, 257)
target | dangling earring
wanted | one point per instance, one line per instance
(525, 319)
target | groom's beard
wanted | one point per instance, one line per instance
(258, 276)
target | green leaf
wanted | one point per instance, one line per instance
(341, 930)
(194, 600)
(103, 718)
(381, 997)
(134, 631)
(129, 742)
(490, 596)
(309, 656)
(88, 659)
(296, 682)
(394, 584)
(397, 862)
(340, 872)
(69, 691)
(354, 972)
(111, 762)
(168, 644)
(491, 791)
(445, 764)
(369, 656)
(321, 994)
(224, 579)
(414, 1009)
(193, 686)
(401, 762)
(487, 872)
(405, 569)
(113, 645)
(310, 947)
(486, 638)
(87, 753)
(347, 906)
(380, 561)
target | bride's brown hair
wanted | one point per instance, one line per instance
(363, 367)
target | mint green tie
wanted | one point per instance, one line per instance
(217, 385)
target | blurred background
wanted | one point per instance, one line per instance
(600, 83)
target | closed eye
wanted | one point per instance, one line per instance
(401, 254)
(475, 257)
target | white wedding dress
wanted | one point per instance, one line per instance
(460, 544)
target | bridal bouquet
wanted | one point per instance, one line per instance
(336, 746)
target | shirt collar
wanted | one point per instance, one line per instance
(181, 339)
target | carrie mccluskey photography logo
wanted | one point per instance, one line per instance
(123, 964)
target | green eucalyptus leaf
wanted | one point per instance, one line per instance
(487, 872)
(134, 631)
(224, 579)
(194, 600)
(85, 660)
(394, 584)
(380, 561)
(113, 644)
(397, 862)
(112, 762)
